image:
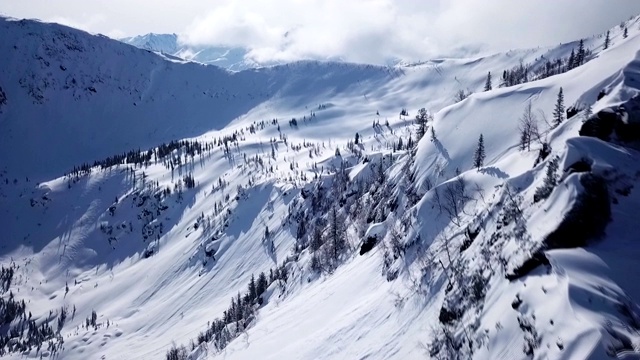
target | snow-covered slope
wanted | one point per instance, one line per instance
(444, 278)
(113, 97)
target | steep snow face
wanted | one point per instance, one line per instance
(574, 307)
(113, 97)
(159, 266)
(110, 96)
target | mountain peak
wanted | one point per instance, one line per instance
(165, 43)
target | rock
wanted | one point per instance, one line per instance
(600, 125)
(368, 244)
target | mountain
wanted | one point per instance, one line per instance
(159, 207)
(164, 43)
(224, 57)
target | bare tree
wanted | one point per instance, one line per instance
(528, 127)
(336, 235)
(461, 95)
(453, 199)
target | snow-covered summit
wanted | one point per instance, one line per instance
(166, 43)
(231, 58)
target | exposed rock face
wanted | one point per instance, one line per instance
(623, 121)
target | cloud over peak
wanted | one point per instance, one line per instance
(371, 31)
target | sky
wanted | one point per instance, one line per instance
(370, 31)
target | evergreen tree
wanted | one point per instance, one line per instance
(478, 157)
(261, 284)
(380, 170)
(581, 54)
(625, 33)
(239, 308)
(421, 122)
(487, 84)
(315, 242)
(253, 288)
(572, 60)
(550, 181)
(607, 41)
(559, 111)
(357, 139)
(302, 228)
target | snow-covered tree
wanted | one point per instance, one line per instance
(478, 157)
(559, 110)
(177, 353)
(336, 240)
(461, 95)
(550, 181)
(607, 41)
(625, 33)
(421, 123)
(588, 111)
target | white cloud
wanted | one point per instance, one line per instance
(355, 30)
(376, 30)
(291, 29)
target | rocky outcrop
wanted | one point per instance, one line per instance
(615, 123)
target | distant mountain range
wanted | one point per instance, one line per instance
(231, 58)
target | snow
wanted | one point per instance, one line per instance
(375, 230)
(169, 44)
(62, 232)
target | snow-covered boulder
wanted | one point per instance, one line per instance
(374, 233)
